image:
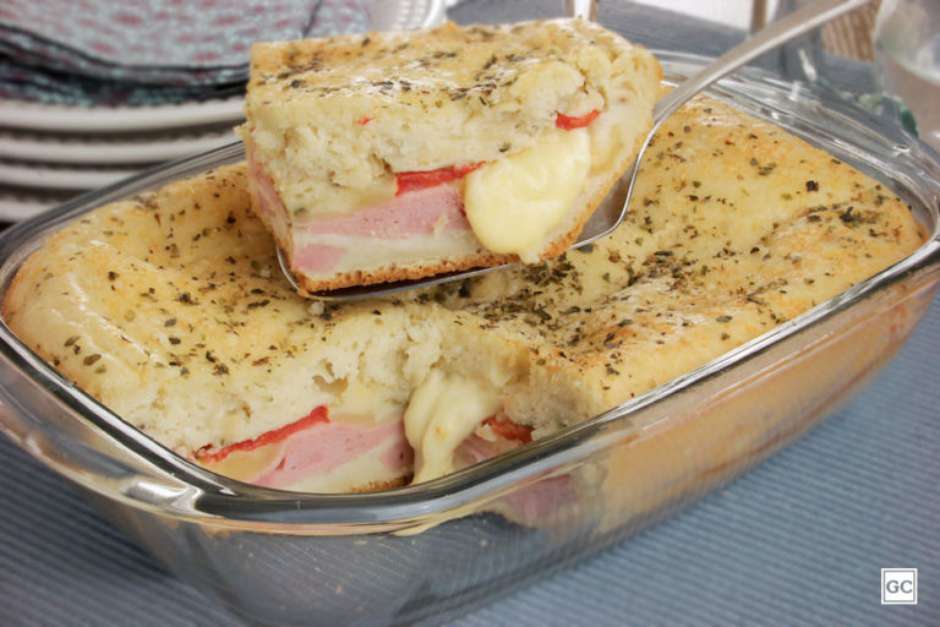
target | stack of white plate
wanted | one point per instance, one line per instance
(49, 153)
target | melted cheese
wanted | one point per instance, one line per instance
(608, 134)
(335, 199)
(247, 465)
(515, 203)
(369, 400)
(444, 410)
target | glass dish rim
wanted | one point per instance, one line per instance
(214, 496)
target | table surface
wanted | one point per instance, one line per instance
(800, 539)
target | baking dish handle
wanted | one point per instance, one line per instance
(108, 457)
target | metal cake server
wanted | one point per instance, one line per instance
(611, 212)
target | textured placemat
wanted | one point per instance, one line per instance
(800, 540)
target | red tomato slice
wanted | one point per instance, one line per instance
(318, 415)
(506, 428)
(571, 122)
(412, 181)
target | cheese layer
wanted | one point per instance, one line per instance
(514, 204)
(443, 411)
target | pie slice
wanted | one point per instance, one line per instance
(396, 156)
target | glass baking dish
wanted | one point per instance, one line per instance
(439, 548)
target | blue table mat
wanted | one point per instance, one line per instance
(800, 540)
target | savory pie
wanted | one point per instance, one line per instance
(169, 308)
(401, 155)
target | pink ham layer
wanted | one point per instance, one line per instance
(325, 446)
(529, 505)
(420, 213)
(270, 201)
(415, 214)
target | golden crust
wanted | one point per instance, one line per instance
(170, 308)
(393, 273)
(432, 98)
(735, 227)
(379, 486)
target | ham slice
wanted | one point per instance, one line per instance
(324, 448)
(317, 258)
(532, 504)
(318, 453)
(420, 212)
(404, 223)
